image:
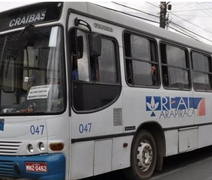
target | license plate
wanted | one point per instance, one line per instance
(36, 167)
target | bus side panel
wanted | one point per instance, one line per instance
(182, 141)
(188, 139)
(171, 142)
(82, 160)
(204, 115)
(102, 157)
(203, 136)
(121, 152)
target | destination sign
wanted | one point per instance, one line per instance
(28, 18)
(32, 14)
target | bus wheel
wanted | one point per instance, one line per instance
(143, 155)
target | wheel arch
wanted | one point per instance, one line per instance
(156, 130)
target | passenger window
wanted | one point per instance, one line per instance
(95, 77)
(202, 72)
(100, 69)
(175, 67)
(141, 62)
(106, 66)
(81, 64)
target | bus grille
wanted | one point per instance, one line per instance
(6, 168)
(9, 147)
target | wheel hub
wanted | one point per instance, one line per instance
(144, 156)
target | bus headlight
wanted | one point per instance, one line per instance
(30, 148)
(41, 146)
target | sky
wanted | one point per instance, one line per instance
(186, 17)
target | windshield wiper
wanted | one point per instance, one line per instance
(26, 29)
(18, 45)
(19, 42)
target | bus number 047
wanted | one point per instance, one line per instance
(37, 129)
(85, 128)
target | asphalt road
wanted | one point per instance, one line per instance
(196, 165)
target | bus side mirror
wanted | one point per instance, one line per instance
(96, 45)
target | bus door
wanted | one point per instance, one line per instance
(96, 103)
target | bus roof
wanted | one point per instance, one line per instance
(137, 24)
(120, 19)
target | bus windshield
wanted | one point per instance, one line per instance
(31, 71)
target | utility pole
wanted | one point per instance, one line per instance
(163, 10)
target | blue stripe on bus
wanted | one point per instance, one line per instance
(55, 166)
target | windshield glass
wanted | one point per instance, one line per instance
(31, 71)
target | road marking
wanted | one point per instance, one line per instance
(180, 169)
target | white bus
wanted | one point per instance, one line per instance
(86, 90)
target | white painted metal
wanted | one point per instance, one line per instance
(171, 142)
(188, 139)
(103, 156)
(204, 136)
(82, 160)
(120, 154)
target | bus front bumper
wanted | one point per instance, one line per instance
(41, 167)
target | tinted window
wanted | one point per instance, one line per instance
(101, 69)
(107, 63)
(201, 62)
(175, 67)
(141, 62)
(201, 71)
(140, 48)
(176, 56)
(95, 78)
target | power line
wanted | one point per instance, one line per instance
(193, 15)
(183, 6)
(184, 33)
(179, 4)
(171, 13)
(205, 11)
(192, 10)
(191, 23)
(207, 3)
(174, 24)
(135, 9)
(190, 31)
(152, 4)
(183, 30)
(129, 14)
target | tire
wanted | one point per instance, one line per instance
(143, 146)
